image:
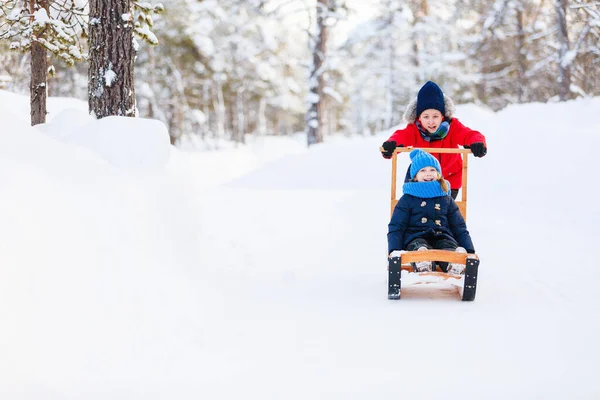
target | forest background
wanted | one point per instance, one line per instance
(216, 71)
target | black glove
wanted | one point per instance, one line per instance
(478, 149)
(388, 148)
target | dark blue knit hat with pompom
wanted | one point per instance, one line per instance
(421, 159)
(430, 97)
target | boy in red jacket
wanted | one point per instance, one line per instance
(431, 125)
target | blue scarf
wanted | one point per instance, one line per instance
(441, 132)
(425, 190)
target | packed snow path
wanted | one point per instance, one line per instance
(300, 249)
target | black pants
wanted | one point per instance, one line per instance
(440, 244)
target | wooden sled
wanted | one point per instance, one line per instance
(400, 270)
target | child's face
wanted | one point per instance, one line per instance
(427, 174)
(431, 119)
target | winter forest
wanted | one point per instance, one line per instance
(231, 240)
(215, 71)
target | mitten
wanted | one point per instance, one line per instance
(388, 148)
(478, 149)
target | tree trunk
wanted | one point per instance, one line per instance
(564, 63)
(422, 12)
(521, 55)
(220, 111)
(314, 118)
(39, 71)
(38, 87)
(111, 87)
(206, 109)
(391, 84)
(262, 118)
(182, 107)
(241, 120)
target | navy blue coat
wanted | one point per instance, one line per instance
(428, 218)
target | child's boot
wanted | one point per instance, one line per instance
(423, 266)
(457, 269)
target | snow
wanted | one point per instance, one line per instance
(205, 45)
(311, 98)
(143, 144)
(568, 58)
(333, 93)
(147, 34)
(109, 77)
(133, 270)
(265, 71)
(41, 17)
(75, 53)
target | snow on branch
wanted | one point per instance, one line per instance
(57, 28)
(331, 92)
(144, 21)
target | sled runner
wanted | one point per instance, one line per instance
(401, 273)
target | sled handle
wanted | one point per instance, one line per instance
(430, 150)
(462, 204)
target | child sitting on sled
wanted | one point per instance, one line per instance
(431, 124)
(426, 217)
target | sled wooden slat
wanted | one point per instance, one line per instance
(436, 255)
(432, 150)
(441, 275)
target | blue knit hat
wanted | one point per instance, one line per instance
(421, 159)
(430, 97)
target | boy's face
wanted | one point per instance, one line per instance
(427, 174)
(431, 119)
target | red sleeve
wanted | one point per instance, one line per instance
(465, 135)
(404, 137)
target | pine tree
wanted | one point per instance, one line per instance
(111, 89)
(584, 28)
(39, 63)
(327, 14)
(564, 50)
(314, 117)
(41, 27)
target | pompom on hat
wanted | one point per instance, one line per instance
(421, 159)
(430, 97)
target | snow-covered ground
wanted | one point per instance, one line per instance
(133, 270)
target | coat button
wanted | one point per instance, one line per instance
(423, 204)
(423, 220)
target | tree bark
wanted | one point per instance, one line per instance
(39, 71)
(220, 108)
(391, 84)
(262, 117)
(241, 120)
(314, 118)
(521, 55)
(205, 101)
(111, 86)
(421, 12)
(564, 64)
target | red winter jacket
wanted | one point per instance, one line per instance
(451, 163)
